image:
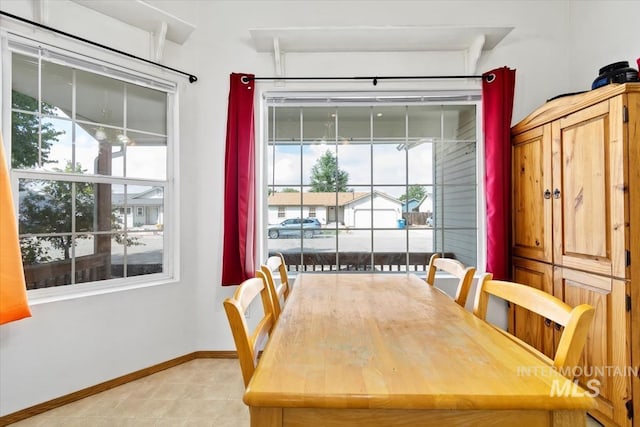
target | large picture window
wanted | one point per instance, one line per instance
(90, 150)
(372, 183)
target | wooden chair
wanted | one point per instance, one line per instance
(279, 291)
(249, 343)
(457, 269)
(576, 320)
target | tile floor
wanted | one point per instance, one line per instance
(199, 393)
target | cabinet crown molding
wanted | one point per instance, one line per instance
(569, 104)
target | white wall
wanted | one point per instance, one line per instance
(69, 345)
(602, 33)
(75, 343)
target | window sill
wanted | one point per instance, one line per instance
(70, 292)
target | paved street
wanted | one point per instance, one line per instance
(420, 240)
(149, 249)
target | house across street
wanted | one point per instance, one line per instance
(352, 209)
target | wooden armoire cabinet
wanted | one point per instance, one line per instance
(576, 233)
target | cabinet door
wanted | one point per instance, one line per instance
(530, 327)
(531, 193)
(605, 357)
(589, 189)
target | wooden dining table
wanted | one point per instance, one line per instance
(390, 350)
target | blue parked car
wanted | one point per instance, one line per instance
(308, 227)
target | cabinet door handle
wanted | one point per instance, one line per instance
(547, 194)
(556, 194)
(558, 326)
(547, 322)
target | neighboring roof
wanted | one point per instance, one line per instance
(313, 199)
(425, 198)
(138, 202)
(378, 193)
(154, 192)
(410, 201)
(151, 197)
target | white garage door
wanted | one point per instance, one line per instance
(382, 218)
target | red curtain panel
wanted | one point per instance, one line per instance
(238, 257)
(497, 104)
(13, 292)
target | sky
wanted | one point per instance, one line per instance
(141, 161)
(389, 164)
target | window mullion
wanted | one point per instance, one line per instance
(371, 151)
(39, 108)
(73, 232)
(406, 187)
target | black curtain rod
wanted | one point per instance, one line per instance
(374, 79)
(192, 78)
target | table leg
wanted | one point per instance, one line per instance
(265, 417)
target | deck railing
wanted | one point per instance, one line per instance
(94, 267)
(358, 261)
(88, 268)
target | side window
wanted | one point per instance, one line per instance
(101, 139)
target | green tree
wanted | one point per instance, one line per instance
(326, 176)
(46, 208)
(24, 138)
(414, 192)
(46, 205)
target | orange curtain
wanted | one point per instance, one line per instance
(13, 293)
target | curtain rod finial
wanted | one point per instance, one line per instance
(192, 78)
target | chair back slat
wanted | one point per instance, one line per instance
(280, 290)
(576, 320)
(249, 343)
(455, 268)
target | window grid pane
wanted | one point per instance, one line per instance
(389, 185)
(70, 123)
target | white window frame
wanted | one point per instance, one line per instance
(308, 98)
(94, 59)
